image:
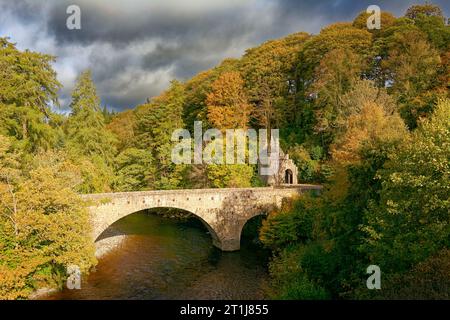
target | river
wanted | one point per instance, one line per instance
(164, 258)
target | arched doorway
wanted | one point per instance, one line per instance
(289, 177)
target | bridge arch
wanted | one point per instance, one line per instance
(100, 229)
(250, 228)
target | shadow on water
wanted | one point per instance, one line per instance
(163, 258)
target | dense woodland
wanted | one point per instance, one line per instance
(364, 112)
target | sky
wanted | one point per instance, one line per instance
(136, 47)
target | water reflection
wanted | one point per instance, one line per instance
(167, 259)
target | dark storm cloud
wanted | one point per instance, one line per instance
(135, 48)
(115, 27)
(24, 10)
(345, 10)
(102, 23)
(185, 42)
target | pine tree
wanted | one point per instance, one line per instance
(88, 140)
(85, 128)
(28, 87)
(156, 122)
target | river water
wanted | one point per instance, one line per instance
(168, 259)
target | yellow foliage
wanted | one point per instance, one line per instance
(370, 125)
(44, 227)
(228, 107)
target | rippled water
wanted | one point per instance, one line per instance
(167, 259)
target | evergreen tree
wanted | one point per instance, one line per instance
(88, 141)
(28, 88)
(156, 122)
(86, 132)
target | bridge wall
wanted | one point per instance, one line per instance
(223, 211)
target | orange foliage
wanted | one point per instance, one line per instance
(122, 125)
(228, 107)
(370, 125)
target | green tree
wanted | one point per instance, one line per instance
(86, 133)
(28, 88)
(88, 141)
(309, 168)
(411, 220)
(336, 75)
(438, 33)
(316, 111)
(341, 36)
(427, 9)
(230, 175)
(269, 75)
(134, 170)
(412, 68)
(156, 122)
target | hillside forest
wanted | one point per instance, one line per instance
(365, 113)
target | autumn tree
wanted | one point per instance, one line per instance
(337, 73)
(387, 20)
(364, 106)
(269, 75)
(122, 126)
(44, 227)
(411, 220)
(427, 9)
(197, 89)
(365, 128)
(341, 99)
(412, 67)
(227, 103)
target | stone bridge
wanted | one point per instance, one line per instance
(224, 212)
